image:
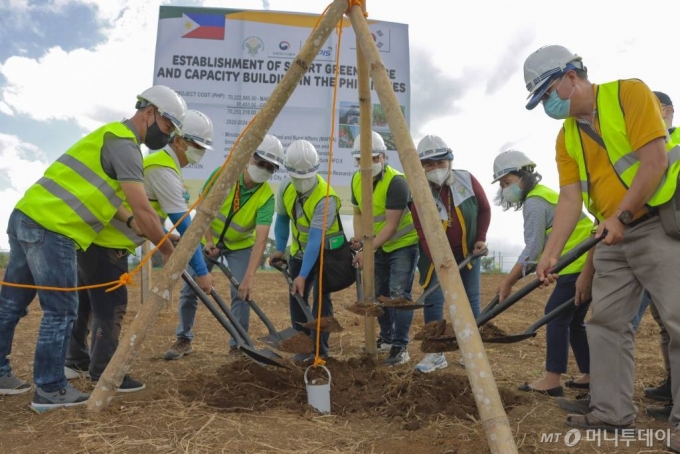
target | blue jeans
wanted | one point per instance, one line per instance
(296, 314)
(237, 261)
(39, 257)
(471, 282)
(645, 299)
(568, 328)
(394, 273)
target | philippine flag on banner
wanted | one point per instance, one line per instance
(204, 26)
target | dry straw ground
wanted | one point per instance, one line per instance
(213, 402)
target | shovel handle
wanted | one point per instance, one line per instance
(553, 314)
(562, 263)
(433, 288)
(360, 289)
(283, 267)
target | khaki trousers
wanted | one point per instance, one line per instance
(664, 338)
(647, 258)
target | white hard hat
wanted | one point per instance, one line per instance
(271, 150)
(301, 159)
(377, 145)
(198, 128)
(434, 148)
(511, 161)
(544, 66)
(169, 104)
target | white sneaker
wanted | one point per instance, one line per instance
(432, 362)
(73, 372)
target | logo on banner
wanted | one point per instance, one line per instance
(203, 26)
(326, 52)
(284, 45)
(253, 45)
(382, 39)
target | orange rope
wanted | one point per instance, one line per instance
(317, 359)
(126, 278)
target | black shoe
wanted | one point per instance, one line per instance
(661, 412)
(580, 405)
(661, 392)
(130, 385)
(558, 391)
(573, 384)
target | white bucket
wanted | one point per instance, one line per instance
(319, 396)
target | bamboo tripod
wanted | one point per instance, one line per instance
(492, 414)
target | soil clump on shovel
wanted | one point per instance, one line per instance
(366, 309)
(328, 325)
(438, 336)
(300, 343)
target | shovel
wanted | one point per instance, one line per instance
(234, 328)
(361, 308)
(494, 302)
(563, 262)
(274, 338)
(331, 325)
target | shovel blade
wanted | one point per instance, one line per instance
(328, 325)
(411, 307)
(264, 356)
(275, 339)
(510, 339)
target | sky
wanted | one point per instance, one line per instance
(69, 66)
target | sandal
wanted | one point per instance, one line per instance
(591, 422)
(552, 392)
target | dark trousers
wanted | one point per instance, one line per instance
(99, 312)
(568, 328)
(296, 314)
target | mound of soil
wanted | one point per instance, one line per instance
(357, 388)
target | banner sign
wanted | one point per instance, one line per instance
(226, 62)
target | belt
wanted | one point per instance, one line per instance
(645, 217)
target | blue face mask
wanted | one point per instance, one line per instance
(513, 193)
(556, 107)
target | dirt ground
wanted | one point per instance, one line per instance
(212, 401)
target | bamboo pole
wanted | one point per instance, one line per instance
(365, 164)
(133, 338)
(492, 414)
(146, 272)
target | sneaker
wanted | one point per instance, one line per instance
(660, 412)
(580, 405)
(65, 397)
(432, 362)
(9, 384)
(398, 355)
(181, 347)
(75, 371)
(661, 392)
(130, 385)
(381, 346)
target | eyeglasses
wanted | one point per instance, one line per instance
(268, 166)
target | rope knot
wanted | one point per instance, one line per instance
(124, 279)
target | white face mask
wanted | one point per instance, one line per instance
(438, 176)
(194, 155)
(377, 168)
(303, 185)
(258, 174)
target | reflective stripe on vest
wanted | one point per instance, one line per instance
(405, 234)
(300, 226)
(581, 231)
(239, 234)
(161, 158)
(619, 150)
(75, 197)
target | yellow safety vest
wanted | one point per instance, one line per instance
(239, 234)
(300, 226)
(406, 234)
(75, 197)
(161, 158)
(620, 151)
(581, 232)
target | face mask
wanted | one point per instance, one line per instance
(194, 155)
(303, 185)
(556, 107)
(155, 139)
(438, 176)
(377, 168)
(258, 174)
(512, 194)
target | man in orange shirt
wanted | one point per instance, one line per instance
(611, 154)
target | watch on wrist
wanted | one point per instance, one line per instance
(625, 217)
(129, 221)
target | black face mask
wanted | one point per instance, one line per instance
(155, 138)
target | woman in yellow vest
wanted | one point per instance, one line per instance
(300, 206)
(238, 234)
(520, 189)
(396, 246)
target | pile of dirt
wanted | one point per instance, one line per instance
(357, 388)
